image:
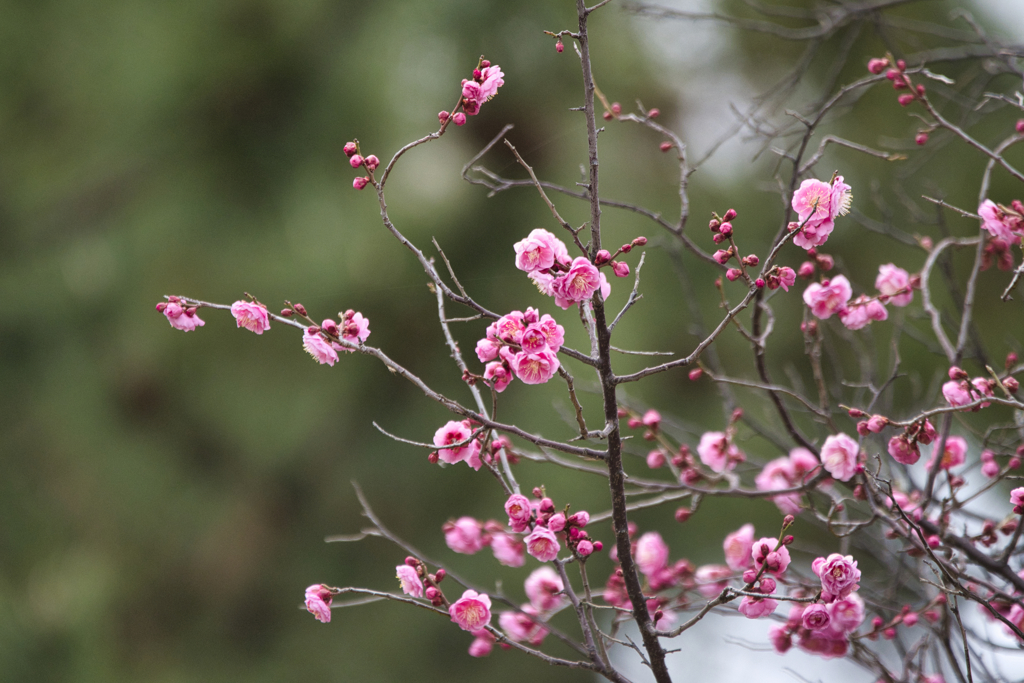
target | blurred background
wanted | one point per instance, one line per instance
(164, 496)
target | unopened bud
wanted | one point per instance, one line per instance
(485, 63)
(639, 241)
(459, 119)
(300, 309)
(439, 575)
(442, 116)
(697, 373)
(355, 161)
(877, 66)
(433, 458)
(665, 146)
(759, 283)
(360, 182)
(559, 47)
(603, 256)
(626, 248)
(537, 492)
(683, 514)
(412, 561)
(901, 65)
(787, 521)
(161, 306)
(751, 260)
(350, 148)
(607, 116)
(714, 224)
(905, 99)
(856, 412)
(825, 262)
(920, 90)
(1011, 360)
(957, 373)
(372, 162)
(654, 113)
(733, 274)
(616, 108)
(788, 540)
(922, 138)
(792, 225)
(1011, 384)
(725, 229)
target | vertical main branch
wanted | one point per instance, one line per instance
(616, 475)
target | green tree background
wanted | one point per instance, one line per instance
(164, 497)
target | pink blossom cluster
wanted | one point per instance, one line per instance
(1004, 223)
(900, 81)
(523, 345)
(487, 78)
(904, 447)
(833, 296)
(545, 259)
(180, 317)
(958, 391)
(357, 160)
(534, 528)
(784, 473)
(817, 204)
(824, 628)
(544, 590)
(321, 341)
(318, 602)
(456, 444)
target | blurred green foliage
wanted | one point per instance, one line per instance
(164, 496)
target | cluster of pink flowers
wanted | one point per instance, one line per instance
(817, 204)
(357, 160)
(487, 78)
(319, 340)
(545, 259)
(833, 296)
(824, 628)
(180, 317)
(904, 447)
(544, 591)
(533, 528)
(959, 391)
(900, 81)
(785, 473)
(524, 345)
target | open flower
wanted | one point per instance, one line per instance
(318, 602)
(410, 581)
(251, 316)
(472, 611)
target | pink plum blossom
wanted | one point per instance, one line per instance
(737, 548)
(578, 284)
(712, 579)
(828, 297)
(787, 278)
(535, 368)
(768, 553)
(1017, 500)
(847, 613)
(755, 608)
(839, 576)
(499, 373)
(651, 553)
(318, 602)
(862, 311)
(781, 474)
(410, 581)
(318, 347)
(482, 644)
(544, 589)
(816, 617)
(780, 638)
(718, 452)
(180, 319)
(487, 349)
(519, 512)
(904, 450)
(472, 611)
(251, 316)
(465, 535)
(508, 550)
(521, 626)
(894, 282)
(839, 456)
(542, 544)
(491, 78)
(956, 393)
(955, 453)
(999, 223)
(456, 432)
(354, 328)
(817, 205)
(539, 251)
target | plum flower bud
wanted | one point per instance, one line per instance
(877, 423)
(921, 138)
(350, 148)
(751, 260)
(1011, 357)
(759, 283)
(620, 269)
(697, 373)
(459, 119)
(616, 108)
(906, 99)
(584, 548)
(1019, 127)
(725, 229)
(722, 256)
(442, 116)
(682, 514)
(729, 215)
(877, 66)
(639, 241)
(559, 47)
(355, 161)
(665, 146)
(1011, 384)
(372, 162)
(161, 306)
(361, 182)
(957, 373)
(556, 523)
(602, 257)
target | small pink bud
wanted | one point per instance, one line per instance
(714, 225)
(547, 506)
(717, 238)
(485, 63)
(733, 274)
(287, 312)
(934, 542)
(792, 225)
(350, 149)
(665, 146)
(620, 269)
(920, 90)
(459, 119)
(922, 138)
(442, 116)
(862, 428)
(729, 215)
(806, 270)
(957, 373)
(584, 548)
(695, 374)
(877, 423)
(877, 66)
(477, 73)
(161, 306)
(910, 618)
(626, 248)
(360, 182)
(1011, 384)
(433, 458)
(752, 260)
(616, 108)
(355, 161)
(639, 241)
(722, 256)
(559, 47)
(300, 309)
(372, 162)
(634, 422)
(889, 633)
(1011, 360)
(787, 521)
(607, 116)
(654, 113)
(537, 492)
(725, 229)
(901, 65)
(603, 256)
(825, 262)
(1020, 126)
(905, 99)
(598, 546)
(683, 514)
(759, 283)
